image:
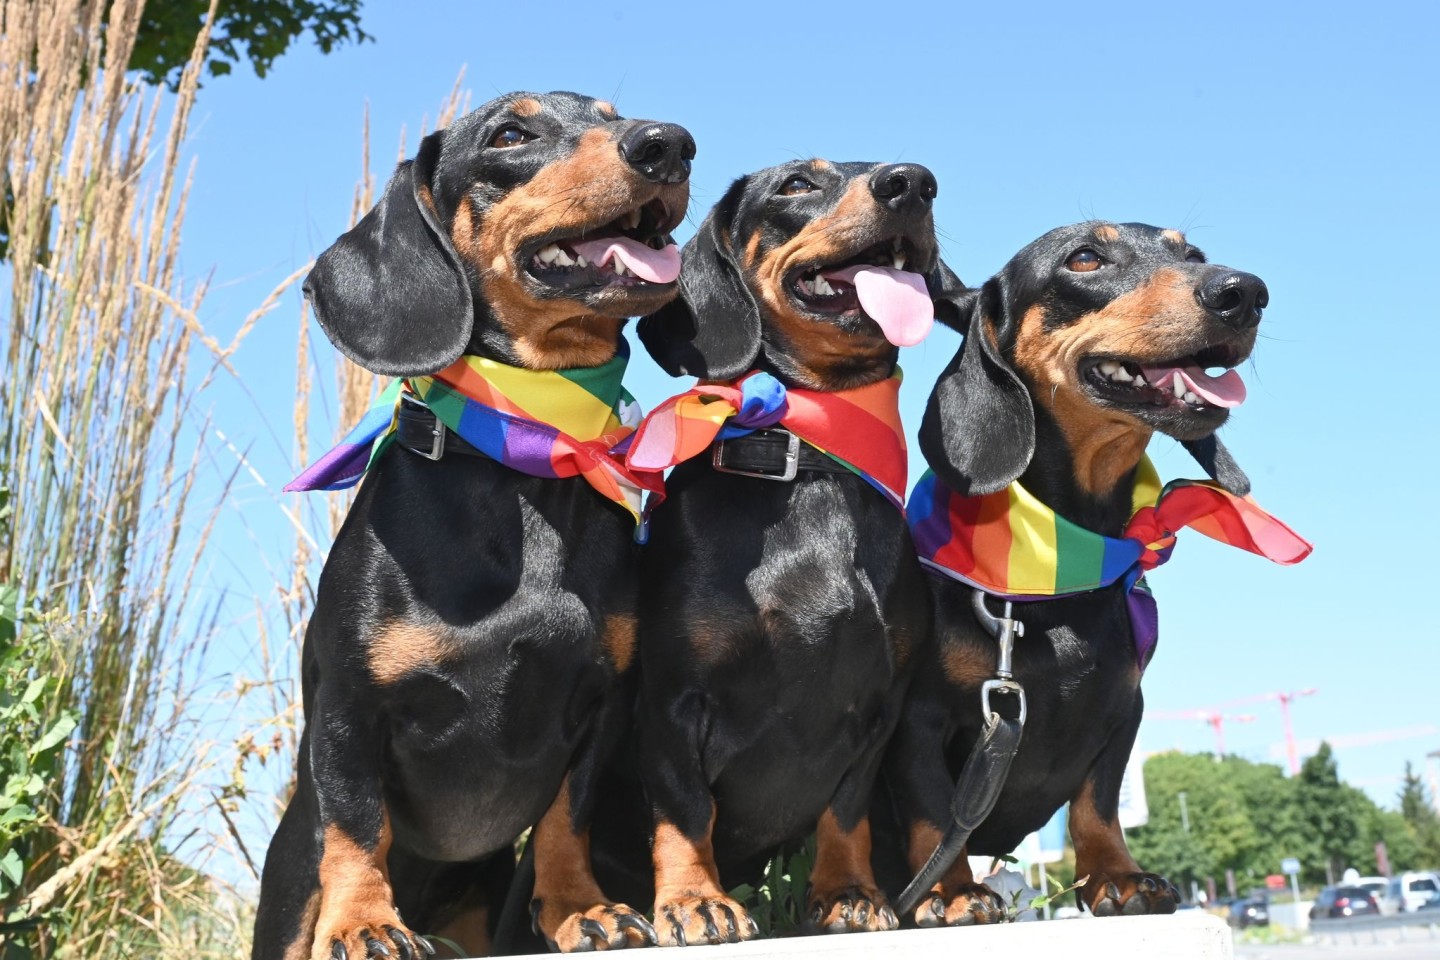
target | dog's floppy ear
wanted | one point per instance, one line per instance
(391, 294)
(712, 329)
(979, 428)
(1211, 454)
(949, 294)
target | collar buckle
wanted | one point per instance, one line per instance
(787, 474)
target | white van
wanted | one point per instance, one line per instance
(1408, 891)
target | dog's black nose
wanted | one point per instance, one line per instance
(1234, 297)
(902, 186)
(660, 151)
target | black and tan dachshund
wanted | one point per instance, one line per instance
(778, 619)
(464, 673)
(1089, 341)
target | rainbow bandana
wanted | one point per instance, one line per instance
(1011, 545)
(859, 428)
(544, 423)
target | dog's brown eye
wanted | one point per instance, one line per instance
(511, 137)
(796, 185)
(1083, 261)
(1195, 256)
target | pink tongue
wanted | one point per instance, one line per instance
(1226, 390)
(896, 300)
(647, 263)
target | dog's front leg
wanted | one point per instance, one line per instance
(357, 916)
(922, 788)
(1117, 885)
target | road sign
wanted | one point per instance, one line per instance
(1290, 866)
(1275, 882)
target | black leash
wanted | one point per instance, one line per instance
(985, 770)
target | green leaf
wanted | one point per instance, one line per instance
(16, 813)
(58, 731)
(32, 692)
(12, 868)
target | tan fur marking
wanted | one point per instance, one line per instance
(525, 107)
(1099, 846)
(591, 186)
(619, 639)
(423, 192)
(299, 948)
(684, 867)
(355, 889)
(967, 665)
(606, 108)
(924, 838)
(841, 859)
(820, 166)
(1156, 321)
(564, 883)
(1106, 233)
(402, 648)
(819, 347)
(1173, 236)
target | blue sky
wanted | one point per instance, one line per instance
(1294, 142)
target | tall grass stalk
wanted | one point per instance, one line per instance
(101, 446)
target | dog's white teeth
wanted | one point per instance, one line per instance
(1191, 397)
(899, 261)
(1121, 373)
(548, 254)
(562, 259)
(807, 288)
(632, 219)
(1139, 381)
(619, 267)
(1178, 387)
(1109, 367)
(823, 288)
(580, 261)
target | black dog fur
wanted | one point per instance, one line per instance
(778, 621)
(1023, 399)
(468, 667)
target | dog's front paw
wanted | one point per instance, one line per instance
(964, 906)
(604, 926)
(379, 939)
(1131, 895)
(855, 909)
(685, 921)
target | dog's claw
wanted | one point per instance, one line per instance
(633, 921)
(593, 930)
(402, 943)
(373, 947)
(337, 951)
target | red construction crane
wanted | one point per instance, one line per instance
(1284, 697)
(1216, 721)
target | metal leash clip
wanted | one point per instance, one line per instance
(1004, 629)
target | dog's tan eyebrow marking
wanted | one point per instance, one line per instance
(1106, 233)
(606, 108)
(1174, 237)
(820, 166)
(525, 107)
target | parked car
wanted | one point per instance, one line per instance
(1344, 901)
(1249, 913)
(1408, 892)
(1376, 886)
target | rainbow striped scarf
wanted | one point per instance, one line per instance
(859, 428)
(544, 423)
(1011, 545)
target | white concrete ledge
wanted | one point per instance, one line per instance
(1190, 935)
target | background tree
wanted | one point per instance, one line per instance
(1418, 810)
(1329, 816)
(256, 30)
